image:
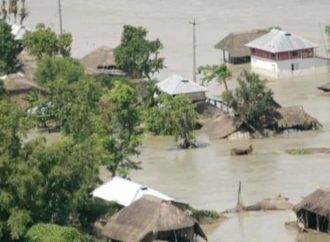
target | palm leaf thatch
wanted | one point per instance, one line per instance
(144, 219)
(317, 202)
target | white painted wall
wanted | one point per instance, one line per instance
(278, 69)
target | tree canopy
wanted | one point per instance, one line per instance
(220, 73)
(44, 41)
(54, 68)
(136, 55)
(251, 100)
(173, 116)
(9, 49)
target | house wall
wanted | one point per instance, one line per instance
(288, 68)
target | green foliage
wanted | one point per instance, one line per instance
(220, 73)
(44, 41)
(54, 233)
(9, 49)
(53, 68)
(203, 213)
(146, 91)
(296, 151)
(173, 116)
(136, 55)
(119, 130)
(251, 100)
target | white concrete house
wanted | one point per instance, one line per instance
(282, 54)
(177, 85)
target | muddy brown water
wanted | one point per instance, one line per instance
(207, 177)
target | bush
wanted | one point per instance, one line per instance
(54, 233)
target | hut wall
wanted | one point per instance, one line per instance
(314, 221)
(182, 235)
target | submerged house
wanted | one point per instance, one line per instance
(177, 85)
(124, 192)
(233, 46)
(149, 219)
(314, 211)
(283, 54)
(101, 61)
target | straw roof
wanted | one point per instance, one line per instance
(317, 202)
(145, 217)
(221, 126)
(294, 116)
(234, 43)
(100, 58)
(18, 83)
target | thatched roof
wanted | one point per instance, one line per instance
(19, 83)
(317, 202)
(294, 116)
(145, 217)
(221, 126)
(234, 43)
(99, 60)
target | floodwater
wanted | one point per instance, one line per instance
(208, 177)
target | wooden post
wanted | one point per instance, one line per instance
(60, 16)
(239, 203)
(317, 223)
(306, 219)
(224, 56)
(194, 49)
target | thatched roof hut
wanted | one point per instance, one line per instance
(221, 126)
(294, 117)
(314, 210)
(234, 45)
(100, 61)
(150, 218)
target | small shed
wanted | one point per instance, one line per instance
(177, 85)
(233, 46)
(149, 219)
(101, 61)
(314, 210)
(124, 192)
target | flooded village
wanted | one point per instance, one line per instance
(237, 182)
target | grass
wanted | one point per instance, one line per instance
(296, 151)
(204, 213)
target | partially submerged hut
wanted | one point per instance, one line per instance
(222, 126)
(233, 46)
(149, 219)
(293, 117)
(101, 61)
(314, 211)
(177, 85)
(325, 87)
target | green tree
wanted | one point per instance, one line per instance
(251, 100)
(119, 128)
(9, 49)
(50, 69)
(136, 55)
(44, 41)
(220, 73)
(173, 116)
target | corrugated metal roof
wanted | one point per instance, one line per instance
(280, 41)
(124, 192)
(175, 85)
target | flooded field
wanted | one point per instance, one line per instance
(208, 177)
